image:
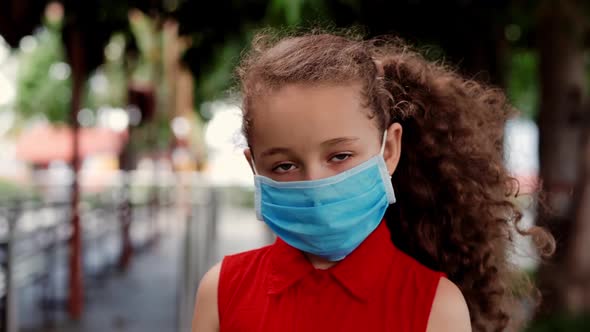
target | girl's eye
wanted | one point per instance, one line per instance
(283, 168)
(341, 157)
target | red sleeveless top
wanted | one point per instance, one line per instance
(375, 288)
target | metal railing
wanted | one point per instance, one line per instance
(34, 237)
(198, 244)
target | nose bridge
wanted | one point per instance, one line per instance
(314, 170)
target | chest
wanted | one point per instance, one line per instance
(320, 303)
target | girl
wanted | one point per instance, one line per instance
(381, 174)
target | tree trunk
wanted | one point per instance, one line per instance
(563, 94)
(578, 250)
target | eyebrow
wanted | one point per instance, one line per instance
(339, 140)
(333, 141)
(272, 151)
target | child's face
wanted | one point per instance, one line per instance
(308, 132)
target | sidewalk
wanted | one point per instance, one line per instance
(144, 299)
(141, 300)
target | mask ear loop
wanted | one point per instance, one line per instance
(253, 164)
(385, 176)
(257, 193)
(383, 142)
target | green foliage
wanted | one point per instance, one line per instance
(10, 191)
(237, 196)
(561, 323)
(219, 78)
(523, 82)
(220, 33)
(294, 12)
(154, 135)
(44, 85)
(108, 83)
(148, 40)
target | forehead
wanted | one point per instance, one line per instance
(310, 114)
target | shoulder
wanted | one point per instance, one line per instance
(248, 255)
(206, 317)
(411, 264)
(449, 310)
(244, 262)
(231, 272)
(210, 281)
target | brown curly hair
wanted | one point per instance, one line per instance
(455, 211)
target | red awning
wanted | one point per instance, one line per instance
(45, 143)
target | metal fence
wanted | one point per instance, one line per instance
(34, 236)
(198, 244)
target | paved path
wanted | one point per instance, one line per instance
(145, 298)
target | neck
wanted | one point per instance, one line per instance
(319, 263)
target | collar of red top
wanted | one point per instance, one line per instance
(357, 273)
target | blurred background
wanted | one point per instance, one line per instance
(121, 171)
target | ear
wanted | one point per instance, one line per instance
(393, 147)
(248, 155)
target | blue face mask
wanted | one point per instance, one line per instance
(329, 217)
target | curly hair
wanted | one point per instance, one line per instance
(455, 212)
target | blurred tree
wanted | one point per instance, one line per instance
(219, 32)
(564, 122)
(87, 28)
(108, 83)
(522, 83)
(19, 18)
(468, 32)
(44, 82)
